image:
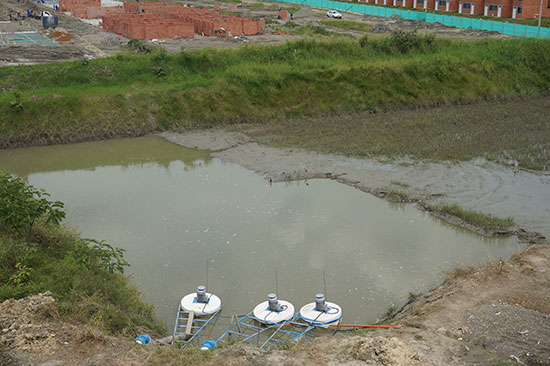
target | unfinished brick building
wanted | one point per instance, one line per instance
(150, 20)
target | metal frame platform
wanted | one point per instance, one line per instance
(188, 326)
(249, 329)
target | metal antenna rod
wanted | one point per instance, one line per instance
(206, 274)
(276, 282)
(325, 283)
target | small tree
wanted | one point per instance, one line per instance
(21, 205)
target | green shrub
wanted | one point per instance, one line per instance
(405, 42)
(21, 205)
(140, 46)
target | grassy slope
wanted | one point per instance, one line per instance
(133, 95)
(52, 260)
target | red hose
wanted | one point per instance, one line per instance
(365, 326)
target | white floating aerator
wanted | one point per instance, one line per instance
(201, 303)
(321, 313)
(273, 311)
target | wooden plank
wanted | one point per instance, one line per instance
(188, 328)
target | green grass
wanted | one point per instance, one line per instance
(270, 86)
(398, 194)
(316, 31)
(291, 9)
(347, 24)
(255, 5)
(52, 260)
(487, 222)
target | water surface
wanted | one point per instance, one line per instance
(175, 209)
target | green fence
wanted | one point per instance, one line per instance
(511, 29)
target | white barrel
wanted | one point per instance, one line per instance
(320, 318)
(266, 316)
(189, 303)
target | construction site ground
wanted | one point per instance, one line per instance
(91, 41)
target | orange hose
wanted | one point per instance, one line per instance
(365, 326)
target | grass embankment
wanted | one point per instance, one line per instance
(484, 221)
(130, 95)
(85, 276)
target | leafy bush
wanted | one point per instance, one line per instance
(140, 46)
(406, 42)
(16, 104)
(92, 253)
(364, 41)
(21, 205)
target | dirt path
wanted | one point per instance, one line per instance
(478, 185)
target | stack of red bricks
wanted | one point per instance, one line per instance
(149, 20)
(147, 26)
(88, 9)
(207, 22)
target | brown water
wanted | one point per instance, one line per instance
(174, 209)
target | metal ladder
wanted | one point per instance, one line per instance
(188, 326)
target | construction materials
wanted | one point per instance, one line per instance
(161, 20)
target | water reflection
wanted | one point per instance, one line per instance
(174, 209)
(91, 155)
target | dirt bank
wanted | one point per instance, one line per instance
(477, 185)
(495, 315)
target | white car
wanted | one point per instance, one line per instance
(334, 14)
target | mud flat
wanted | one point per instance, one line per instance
(476, 185)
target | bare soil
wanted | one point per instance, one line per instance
(495, 315)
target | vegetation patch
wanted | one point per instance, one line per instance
(487, 222)
(347, 24)
(316, 31)
(84, 275)
(255, 5)
(499, 131)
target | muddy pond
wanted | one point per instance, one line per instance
(175, 209)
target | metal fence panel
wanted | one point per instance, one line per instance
(509, 29)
